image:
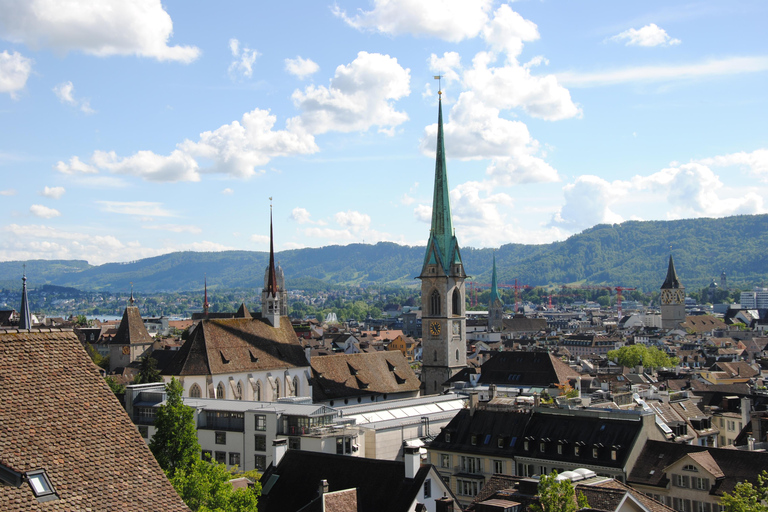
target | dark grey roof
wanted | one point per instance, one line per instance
(521, 368)
(671, 280)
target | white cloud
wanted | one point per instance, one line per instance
(260, 239)
(75, 166)
(423, 213)
(522, 168)
(65, 92)
(137, 208)
(174, 228)
(756, 162)
(406, 199)
(300, 215)
(513, 86)
(649, 35)
(666, 73)
(14, 71)
(227, 192)
(301, 67)
(451, 20)
(293, 245)
(587, 202)
(8, 192)
(359, 96)
(508, 30)
(353, 220)
(53, 192)
(178, 166)
(103, 28)
(43, 212)
(449, 66)
(336, 235)
(244, 59)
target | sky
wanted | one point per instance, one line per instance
(133, 129)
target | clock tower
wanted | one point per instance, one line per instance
(672, 299)
(442, 277)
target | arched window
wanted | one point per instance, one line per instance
(434, 302)
(435, 358)
(220, 391)
(456, 302)
(257, 393)
(195, 391)
(239, 390)
(296, 386)
(457, 354)
(277, 389)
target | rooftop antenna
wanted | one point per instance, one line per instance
(439, 87)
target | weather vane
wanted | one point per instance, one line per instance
(439, 87)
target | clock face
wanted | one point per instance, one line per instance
(434, 328)
(680, 296)
(666, 296)
(126, 350)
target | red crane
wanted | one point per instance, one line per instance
(620, 289)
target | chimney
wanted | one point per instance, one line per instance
(412, 459)
(746, 408)
(444, 504)
(472, 402)
(279, 447)
(536, 400)
(756, 430)
(323, 487)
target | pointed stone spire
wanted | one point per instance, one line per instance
(271, 284)
(205, 300)
(25, 317)
(672, 280)
(442, 224)
(494, 284)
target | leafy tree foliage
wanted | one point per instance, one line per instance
(635, 355)
(557, 496)
(148, 371)
(205, 487)
(98, 359)
(175, 443)
(116, 387)
(747, 497)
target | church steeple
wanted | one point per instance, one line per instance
(672, 299)
(672, 280)
(494, 284)
(25, 317)
(271, 284)
(206, 305)
(272, 295)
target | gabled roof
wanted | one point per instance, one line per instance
(347, 375)
(520, 368)
(381, 484)
(58, 414)
(131, 330)
(702, 323)
(234, 345)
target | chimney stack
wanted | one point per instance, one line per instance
(412, 459)
(493, 390)
(473, 400)
(279, 447)
(323, 487)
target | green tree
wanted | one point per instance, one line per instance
(175, 443)
(205, 487)
(635, 355)
(82, 321)
(557, 496)
(116, 387)
(148, 371)
(747, 497)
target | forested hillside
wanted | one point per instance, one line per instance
(630, 254)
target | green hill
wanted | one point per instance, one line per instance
(630, 254)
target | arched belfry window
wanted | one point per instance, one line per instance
(277, 389)
(257, 394)
(239, 390)
(220, 391)
(456, 302)
(434, 302)
(435, 355)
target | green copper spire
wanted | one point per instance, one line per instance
(494, 284)
(441, 233)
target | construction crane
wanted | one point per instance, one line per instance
(620, 289)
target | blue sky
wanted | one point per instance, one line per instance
(131, 129)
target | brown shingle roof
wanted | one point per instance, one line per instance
(343, 375)
(131, 328)
(58, 414)
(238, 345)
(702, 323)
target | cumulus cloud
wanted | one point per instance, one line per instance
(65, 92)
(666, 73)
(756, 162)
(451, 20)
(448, 66)
(8, 192)
(521, 168)
(301, 67)
(137, 208)
(260, 239)
(300, 215)
(53, 192)
(588, 202)
(359, 96)
(507, 31)
(43, 212)
(244, 59)
(227, 191)
(103, 28)
(234, 149)
(353, 219)
(649, 35)
(14, 71)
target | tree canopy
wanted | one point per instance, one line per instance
(148, 371)
(175, 441)
(205, 487)
(557, 496)
(636, 355)
(747, 497)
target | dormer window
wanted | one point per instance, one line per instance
(447, 437)
(542, 446)
(576, 450)
(473, 439)
(41, 485)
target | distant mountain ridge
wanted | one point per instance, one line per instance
(632, 254)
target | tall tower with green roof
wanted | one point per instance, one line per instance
(495, 304)
(442, 277)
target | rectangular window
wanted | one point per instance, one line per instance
(261, 422)
(445, 460)
(473, 439)
(339, 446)
(498, 467)
(701, 484)
(260, 443)
(221, 438)
(467, 487)
(470, 464)
(234, 458)
(294, 443)
(261, 462)
(427, 488)
(221, 457)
